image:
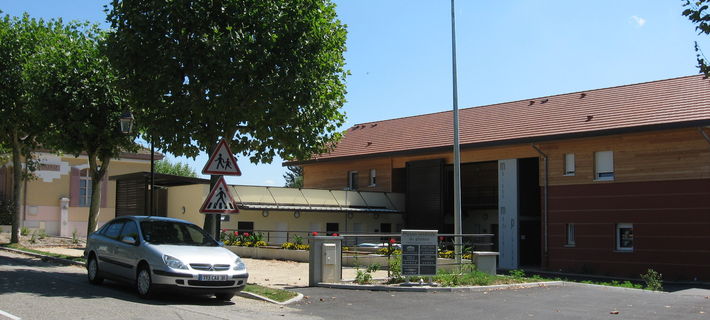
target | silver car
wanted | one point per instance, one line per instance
(157, 253)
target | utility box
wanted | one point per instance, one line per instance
(325, 259)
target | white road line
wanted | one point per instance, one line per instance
(3, 313)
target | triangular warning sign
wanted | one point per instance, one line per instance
(219, 200)
(222, 161)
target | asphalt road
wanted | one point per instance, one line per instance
(32, 289)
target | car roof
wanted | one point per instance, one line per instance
(153, 218)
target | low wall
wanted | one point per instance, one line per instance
(5, 228)
(270, 253)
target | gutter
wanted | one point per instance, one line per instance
(545, 196)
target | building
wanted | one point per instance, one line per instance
(278, 213)
(57, 200)
(607, 181)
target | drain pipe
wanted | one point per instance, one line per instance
(544, 201)
(705, 134)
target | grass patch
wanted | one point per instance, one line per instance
(271, 293)
(17, 246)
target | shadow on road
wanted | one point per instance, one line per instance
(31, 276)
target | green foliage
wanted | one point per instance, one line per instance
(41, 234)
(295, 246)
(697, 12)
(297, 239)
(294, 177)
(176, 169)
(85, 112)
(395, 268)
(74, 238)
(24, 231)
(470, 278)
(266, 75)
(653, 280)
(33, 237)
(517, 274)
(271, 293)
(246, 239)
(363, 277)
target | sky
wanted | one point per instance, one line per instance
(399, 53)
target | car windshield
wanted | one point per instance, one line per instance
(175, 233)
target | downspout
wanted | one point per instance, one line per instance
(544, 201)
(705, 134)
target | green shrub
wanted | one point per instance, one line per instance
(24, 231)
(517, 274)
(653, 280)
(41, 234)
(74, 238)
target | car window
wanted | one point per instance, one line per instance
(114, 229)
(129, 230)
(175, 233)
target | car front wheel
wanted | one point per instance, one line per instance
(144, 283)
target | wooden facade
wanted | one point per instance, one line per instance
(660, 186)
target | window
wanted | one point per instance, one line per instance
(625, 237)
(129, 230)
(373, 177)
(570, 235)
(245, 226)
(114, 229)
(85, 188)
(224, 217)
(569, 164)
(604, 165)
(331, 228)
(352, 180)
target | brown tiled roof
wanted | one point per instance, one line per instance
(672, 103)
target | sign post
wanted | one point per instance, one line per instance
(419, 252)
(220, 200)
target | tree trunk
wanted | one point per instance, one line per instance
(16, 188)
(97, 174)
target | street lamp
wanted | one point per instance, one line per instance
(126, 122)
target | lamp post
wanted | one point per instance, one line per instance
(457, 151)
(126, 120)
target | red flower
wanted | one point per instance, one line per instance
(335, 234)
(441, 238)
(392, 240)
(224, 230)
(315, 233)
(236, 233)
(246, 234)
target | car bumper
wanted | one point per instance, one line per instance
(190, 281)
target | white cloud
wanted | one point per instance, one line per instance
(269, 182)
(639, 21)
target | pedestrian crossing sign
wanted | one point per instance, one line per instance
(222, 161)
(219, 200)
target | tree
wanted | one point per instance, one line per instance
(294, 177)
(697, 12)
(18, 125)
(266, 75)
(74, 87)
(176, 169)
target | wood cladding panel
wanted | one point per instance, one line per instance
(334, 175)
(671, 223)
(650, 156)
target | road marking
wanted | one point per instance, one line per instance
(3, 313)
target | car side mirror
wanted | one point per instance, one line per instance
(129, 240)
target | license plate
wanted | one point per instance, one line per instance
(212, 277)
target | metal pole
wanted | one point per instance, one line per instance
(457, 151)
(151, 210)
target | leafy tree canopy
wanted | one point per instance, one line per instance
(269, 75)
(177, 169)
(697, 12)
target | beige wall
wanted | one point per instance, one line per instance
(192, 196)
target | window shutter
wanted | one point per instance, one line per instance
(604, 161)
(569, 163)
(104, 190)
(74, 187)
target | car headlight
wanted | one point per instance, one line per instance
(239, 265)
(173, 262)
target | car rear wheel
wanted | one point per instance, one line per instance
(144, 283)
(92, 268)
(224, 296)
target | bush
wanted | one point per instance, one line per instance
(653, 280)
(24, 231)
(295, 246)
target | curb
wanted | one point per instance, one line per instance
(442, 289)
(297, 298)
(45, 257)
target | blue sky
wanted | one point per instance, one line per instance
(399, 52)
